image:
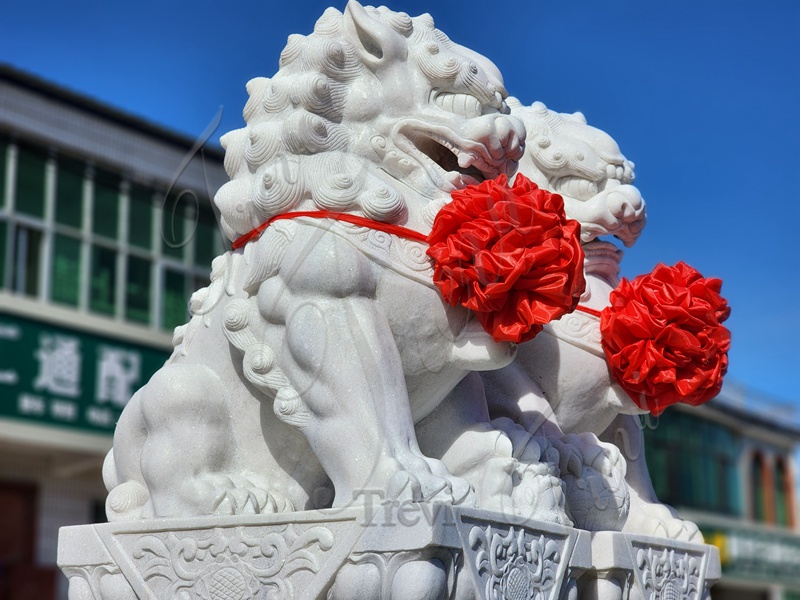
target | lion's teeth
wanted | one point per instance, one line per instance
(465, 160)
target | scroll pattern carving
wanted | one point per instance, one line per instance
(668, 574)
(91, 574)
(517, 565)
(231, 563)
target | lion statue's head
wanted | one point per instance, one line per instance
(583, 164)
(374, 113)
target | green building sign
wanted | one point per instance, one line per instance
(751, 554)
(57, 376)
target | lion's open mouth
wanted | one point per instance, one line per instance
(452, 159)
(457, 163)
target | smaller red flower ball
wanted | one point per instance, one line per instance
(663, 338)
(510, 255)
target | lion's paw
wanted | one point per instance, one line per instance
(508, 469)
(660, 520)
(598, 498)
(417, 478)
(230, 494)
(539, 494)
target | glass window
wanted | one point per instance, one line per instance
(137, 290)
(758, 506)
(69, 192)
(173, 226)
(174, 310)
(3, 162)
(3, 246)
(782, 493)
(140, 218)
(103, 278)
(709, 480)
(206, 236)
(106, 204)
(26, 260)
(29, 197)
(65, 279)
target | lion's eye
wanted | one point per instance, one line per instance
(575, 187)
(460, 104)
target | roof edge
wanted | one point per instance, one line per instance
(83, 102)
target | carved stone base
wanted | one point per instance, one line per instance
(401, 551)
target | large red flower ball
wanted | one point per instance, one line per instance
(510, 255)
(663, 337)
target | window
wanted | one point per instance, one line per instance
(692, 462)
(140, 218)
(103, 280)
(783, 494)
(69, 192)
(98, 249)
(66, 270)
(26, 260)
(137, 290)
(3, 163)
(173, 226)
(106, 205)
(3, 252)
(758, 504)
(29, 197)
(205, 237)
(176, 300)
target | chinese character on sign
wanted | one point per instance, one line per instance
(63, 410)
(59, 359)
(118, 371)
(100, 417)
(28, 404)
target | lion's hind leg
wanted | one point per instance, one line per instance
(186, 459)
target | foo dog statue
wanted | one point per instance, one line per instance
(315, 349)
(336, 358)
(562, 376)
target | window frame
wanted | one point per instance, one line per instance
(87, 238)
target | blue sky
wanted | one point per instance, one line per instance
(702, 95)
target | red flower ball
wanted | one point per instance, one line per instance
(663, 337)
(508, 254)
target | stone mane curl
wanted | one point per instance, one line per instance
(295, 152)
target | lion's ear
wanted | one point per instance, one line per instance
(376, 42)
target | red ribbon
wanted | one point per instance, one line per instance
(588, 311)
(327, 214)
(508, 253)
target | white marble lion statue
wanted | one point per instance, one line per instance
(319, 343)
(560, 378)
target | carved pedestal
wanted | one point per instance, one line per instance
(395, 551)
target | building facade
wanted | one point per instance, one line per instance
(106, 228)
(729, 466)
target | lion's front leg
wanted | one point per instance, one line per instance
(334, 345)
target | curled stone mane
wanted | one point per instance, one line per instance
(296, 152)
